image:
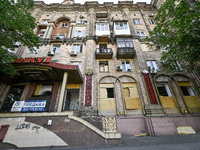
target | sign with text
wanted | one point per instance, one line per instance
(28, 106)
(32, 60)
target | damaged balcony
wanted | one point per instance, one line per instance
(104, 53)
(125, 53)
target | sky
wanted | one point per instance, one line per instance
(100, 1)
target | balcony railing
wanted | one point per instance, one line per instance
(104, 53)
(125, 52)
(57, 37)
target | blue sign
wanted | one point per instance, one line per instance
(27, 106)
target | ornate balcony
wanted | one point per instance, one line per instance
(104, 53)
(125, 52)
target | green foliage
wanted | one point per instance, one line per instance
(177, 35)
(16, 25)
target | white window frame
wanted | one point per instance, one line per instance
(124, 42)
(141, 33)
(158, 84)
(103, 65)
(121, 26)
(79, 33)
(102, 27)
(35, 51)
(78, 48)
(151, 21)
(152, 64)
(126, 66)
(80, 21)
(136, 21)
(45, 21)
(64, 25)
(57, 46)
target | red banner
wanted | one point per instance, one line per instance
(149, 87)
(88, 94)
(32, 60)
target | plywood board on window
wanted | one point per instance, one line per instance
(73, 86)
(126, 92)
(132, 87)
(107, 104)
(103, 93)
(184, 83)
(167, 102)
(106, 85)
(37, 89)
(132, 103)
(192, 101)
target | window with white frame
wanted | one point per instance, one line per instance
(78, 48)
(103, 66)
(152, 21)
(80, 21)
(102, 27)
(124, 42)
(76, 63)
(141, 33)
(136, 21)
(34, 50)
(64, 25)
(79, 33)
(126, 67)
(121, 26)
(187, 91)
(56, 48)
(152, 65)
(163, 89)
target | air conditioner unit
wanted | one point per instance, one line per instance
(73, 53)
(81, 16)
(119, 68)
(151, 15)
(51, 53)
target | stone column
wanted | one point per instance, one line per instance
(62, 92)
(145, 20)
(46, 32)
(127, 15)
(51, 26)
(92, 16)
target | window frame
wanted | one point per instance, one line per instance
(153, 64)
(167, 89)
(151, 21)
(137, 21)
(126, 66)
(124, 43)
(139, 33)
(64, 25)
(104, 63)
(121, 25)
(78, 48)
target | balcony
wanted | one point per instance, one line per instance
(104, 53)
(125, 52)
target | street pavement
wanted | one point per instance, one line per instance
(178, 142)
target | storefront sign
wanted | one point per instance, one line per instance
(149, 87)
(28, 106)
(32, 60)
(88, 97)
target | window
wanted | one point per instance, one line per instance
(141, 33)
(126, 67)
(33, 51)
(61, 36)
(136, 21)
(14, 95)
(103, 66)
(110, 92)
(103, 48)
(163, 89)
(76, 63)
(79, 33)
(78, 48)
(152, 65)
(80, 21)
(43, 90)
(152, 21)
(121, 26)
(56, 48)
(64, 25)
(187, 91)
(124, 42)
(102, 27)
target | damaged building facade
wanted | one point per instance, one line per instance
(93, 79)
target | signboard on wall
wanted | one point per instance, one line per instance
(32, 60)
(29, 106)
(88, 94)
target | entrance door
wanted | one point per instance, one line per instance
(71, 100)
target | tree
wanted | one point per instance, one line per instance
(177, 35)
(16, 25)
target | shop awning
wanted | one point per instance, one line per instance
(29, 72)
